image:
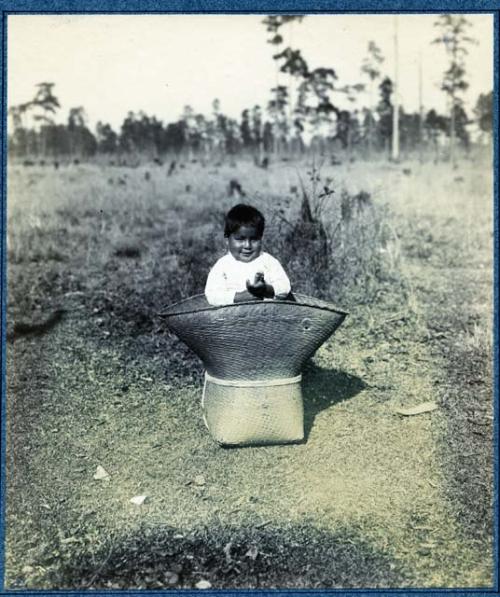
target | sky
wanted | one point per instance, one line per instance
(112, 64)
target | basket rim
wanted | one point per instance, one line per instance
(324, 306)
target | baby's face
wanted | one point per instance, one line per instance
(245, 244)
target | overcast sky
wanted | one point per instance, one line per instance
(111, 64)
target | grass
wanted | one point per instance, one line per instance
(371, 499)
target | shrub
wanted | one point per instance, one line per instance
(335, 246)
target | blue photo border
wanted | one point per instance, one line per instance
(255, 7)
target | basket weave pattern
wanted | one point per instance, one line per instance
(251, 345)
(254, 340)
(260, 415)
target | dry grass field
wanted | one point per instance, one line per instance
(371, 499)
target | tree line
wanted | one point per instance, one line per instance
(303, 112)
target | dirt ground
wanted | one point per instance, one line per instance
(371, 498)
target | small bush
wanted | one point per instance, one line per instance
(335, 247)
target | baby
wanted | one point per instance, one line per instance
(245, 273)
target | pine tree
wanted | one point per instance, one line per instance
(454, 37)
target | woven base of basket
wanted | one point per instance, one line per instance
(257, 414)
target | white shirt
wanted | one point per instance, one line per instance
(229, 276)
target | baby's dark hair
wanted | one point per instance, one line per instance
(243, 215)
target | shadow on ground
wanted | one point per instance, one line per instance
(297, 556)
(322, 388)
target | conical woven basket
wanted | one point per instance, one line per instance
(254, 353)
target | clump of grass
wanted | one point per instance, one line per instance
(335, 245)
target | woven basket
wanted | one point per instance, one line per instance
(254, 353)
(262, 414)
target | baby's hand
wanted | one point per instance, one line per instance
(258, 286)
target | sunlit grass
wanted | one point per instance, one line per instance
(110, 387)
